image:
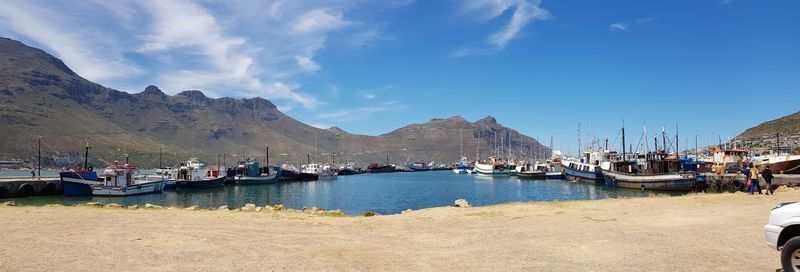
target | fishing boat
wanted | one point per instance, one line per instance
(418, 166)
(121, 180)
(322, 172)
(79, 181)
(780, 160)
(526, 170)
(554, 169)
(347, 170)
(250, 173)
(492, 167)
(660, 173)
(291, 173)
(375, 168)
(166, 173)
(582, 172)
(193, 175)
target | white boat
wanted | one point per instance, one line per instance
(322, 172)
(121, 180)
(494, 167)
(462, 167)
(250, 173)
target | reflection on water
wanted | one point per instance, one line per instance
(382, 193)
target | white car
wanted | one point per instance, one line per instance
(783, 234)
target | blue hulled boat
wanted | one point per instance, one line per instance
(79, 182)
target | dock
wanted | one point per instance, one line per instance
(28, 186)
(737, 182)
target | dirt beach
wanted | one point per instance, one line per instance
(697, 232)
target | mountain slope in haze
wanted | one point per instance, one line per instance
(41, 96)
(765, 134)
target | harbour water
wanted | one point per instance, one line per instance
(381, 193)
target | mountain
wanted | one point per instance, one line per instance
(41, 96)
(765, 134)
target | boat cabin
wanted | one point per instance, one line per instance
(119, 175)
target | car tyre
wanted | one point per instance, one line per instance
(790, 255)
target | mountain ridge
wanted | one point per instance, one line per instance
(42, 96)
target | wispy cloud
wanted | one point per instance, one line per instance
(360, 113)
(95, 58)
(235, 48)
(645, 20)
(724, 2)
(523, 12)
(619, 26)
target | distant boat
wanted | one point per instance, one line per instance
(554, 170)
(494, 167)
(291, 173)
(121, 180)
(79, 181)
(249, 173)
(347, 170)
(418, 166)
(322, 172)
(375, 168)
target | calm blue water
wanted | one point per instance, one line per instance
(382, 193)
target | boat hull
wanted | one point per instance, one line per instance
(137, 189)
(200, 184)
(245, 180)
(490, 170)
(784, 167)
(555, 175)
(346, 172)
(686, 181)
(78, 183)
(384, 169)
(592, 177)
(531, 175)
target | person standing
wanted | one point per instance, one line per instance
(747, 179)
(755, 184)
(767, 175)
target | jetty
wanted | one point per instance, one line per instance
(28, 186)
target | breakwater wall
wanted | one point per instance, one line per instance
(27, 186)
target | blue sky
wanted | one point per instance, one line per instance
(715, 67)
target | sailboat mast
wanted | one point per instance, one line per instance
(461, 141)
(623, 141)
(86, 156)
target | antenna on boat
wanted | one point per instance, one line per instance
(266, 157)
(677, 138)
(39, 151)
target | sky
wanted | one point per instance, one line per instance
(712, 67)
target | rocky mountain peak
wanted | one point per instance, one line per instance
(153, 90)
(193, 94)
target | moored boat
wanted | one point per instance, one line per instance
(121, 180)
(250, 173)
(375, 168)
(79, 182)
(193, 175)
(418, 166)
(526, 170)
(492, 167)
(582, 172)
(322, 172)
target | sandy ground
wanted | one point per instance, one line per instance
(699, 232)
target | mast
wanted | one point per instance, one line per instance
(39, 148)
(623, 140)
(664, 138)
(696, 148)
(86, 156)
(461, 141)
(551, 146)
(677, 147)
(778, 142)
(160, 160)
(579, 140)
(387, 159)
(308, 158)
(266, 155)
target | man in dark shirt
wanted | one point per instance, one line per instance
(767, 174)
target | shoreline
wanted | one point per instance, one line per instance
(662, 233)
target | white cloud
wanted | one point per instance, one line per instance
(369, 96)
(95, 58)
(357, 114)
(193, 44)
(307, 64)
(645, 20)
(320, 20)
(524, 12)
(619, 26)
(724, 2)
